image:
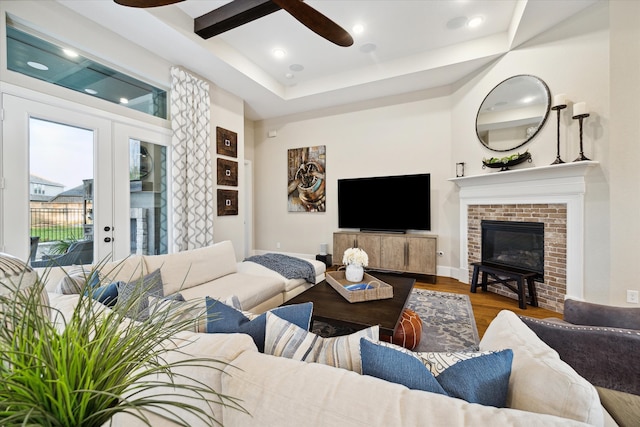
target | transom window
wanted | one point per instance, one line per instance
(43, 60)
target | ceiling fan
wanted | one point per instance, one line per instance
(239, 12)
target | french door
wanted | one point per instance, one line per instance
(69, 177)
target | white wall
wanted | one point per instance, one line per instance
(411, 135)
(227, 111)
(431, 131)
(572, 58)
(624, 174)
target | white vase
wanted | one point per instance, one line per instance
(354, 272)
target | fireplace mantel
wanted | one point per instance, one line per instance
(529, 177)
(564, 183)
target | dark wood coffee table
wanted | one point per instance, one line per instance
(330, 307)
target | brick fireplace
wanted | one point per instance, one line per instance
(553, 195)
(552, 290)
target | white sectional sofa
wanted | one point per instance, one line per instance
(210, 271)
(282, 392)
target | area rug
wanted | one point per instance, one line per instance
(447, 322)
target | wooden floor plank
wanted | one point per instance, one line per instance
(486, 305)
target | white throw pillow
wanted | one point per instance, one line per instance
(541, 382)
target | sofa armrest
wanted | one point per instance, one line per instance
(606, 357)
(587, 313)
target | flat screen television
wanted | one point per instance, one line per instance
(385, 203)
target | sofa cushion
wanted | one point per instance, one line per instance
(282, 392)
(482, 379)
(540, 381)
(250, 290)
(183, 270)
(222, 318)
(285, 339)
(126, 270)
(224, 348)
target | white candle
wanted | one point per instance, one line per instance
(560, 99)
(580, 108)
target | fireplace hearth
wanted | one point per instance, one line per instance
(513, 245)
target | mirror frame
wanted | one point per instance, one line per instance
(540, 124)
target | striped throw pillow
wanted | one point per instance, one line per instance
(285, 339)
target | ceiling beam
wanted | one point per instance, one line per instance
(232, 15)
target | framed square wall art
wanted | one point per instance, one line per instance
(227, 172)
(226, 142)
(227, 202)
(306, 179)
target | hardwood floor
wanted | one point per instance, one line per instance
(486, 305)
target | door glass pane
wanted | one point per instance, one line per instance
(60, 193)
(148, 202)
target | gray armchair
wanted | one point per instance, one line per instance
(80, 252)
(602, 344)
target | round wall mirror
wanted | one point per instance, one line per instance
(513, 113)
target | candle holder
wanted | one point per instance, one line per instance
(580, 118)
(558, 108)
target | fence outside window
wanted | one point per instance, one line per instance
(55, 224)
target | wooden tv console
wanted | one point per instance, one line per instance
(406, 253)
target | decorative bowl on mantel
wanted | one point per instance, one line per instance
(505, 162)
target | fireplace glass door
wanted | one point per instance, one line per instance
(514, 245)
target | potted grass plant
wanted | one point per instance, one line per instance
(84, 369)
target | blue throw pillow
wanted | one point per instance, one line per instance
(107, 294)
(483, 379)
(224, 319)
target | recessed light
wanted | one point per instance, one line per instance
(37, 66)
(289, 75)
(91, 91)
(358, 29)
(124, 101)
(296, 67)
(70, 53)
(476, 21)
(279, 53)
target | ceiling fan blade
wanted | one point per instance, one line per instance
(146, 3)
(316, 21)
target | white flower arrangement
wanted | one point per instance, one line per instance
(355, 256)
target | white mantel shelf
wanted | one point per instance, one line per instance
(564, 183)
(562, 170)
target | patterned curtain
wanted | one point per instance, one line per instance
(193, 207)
